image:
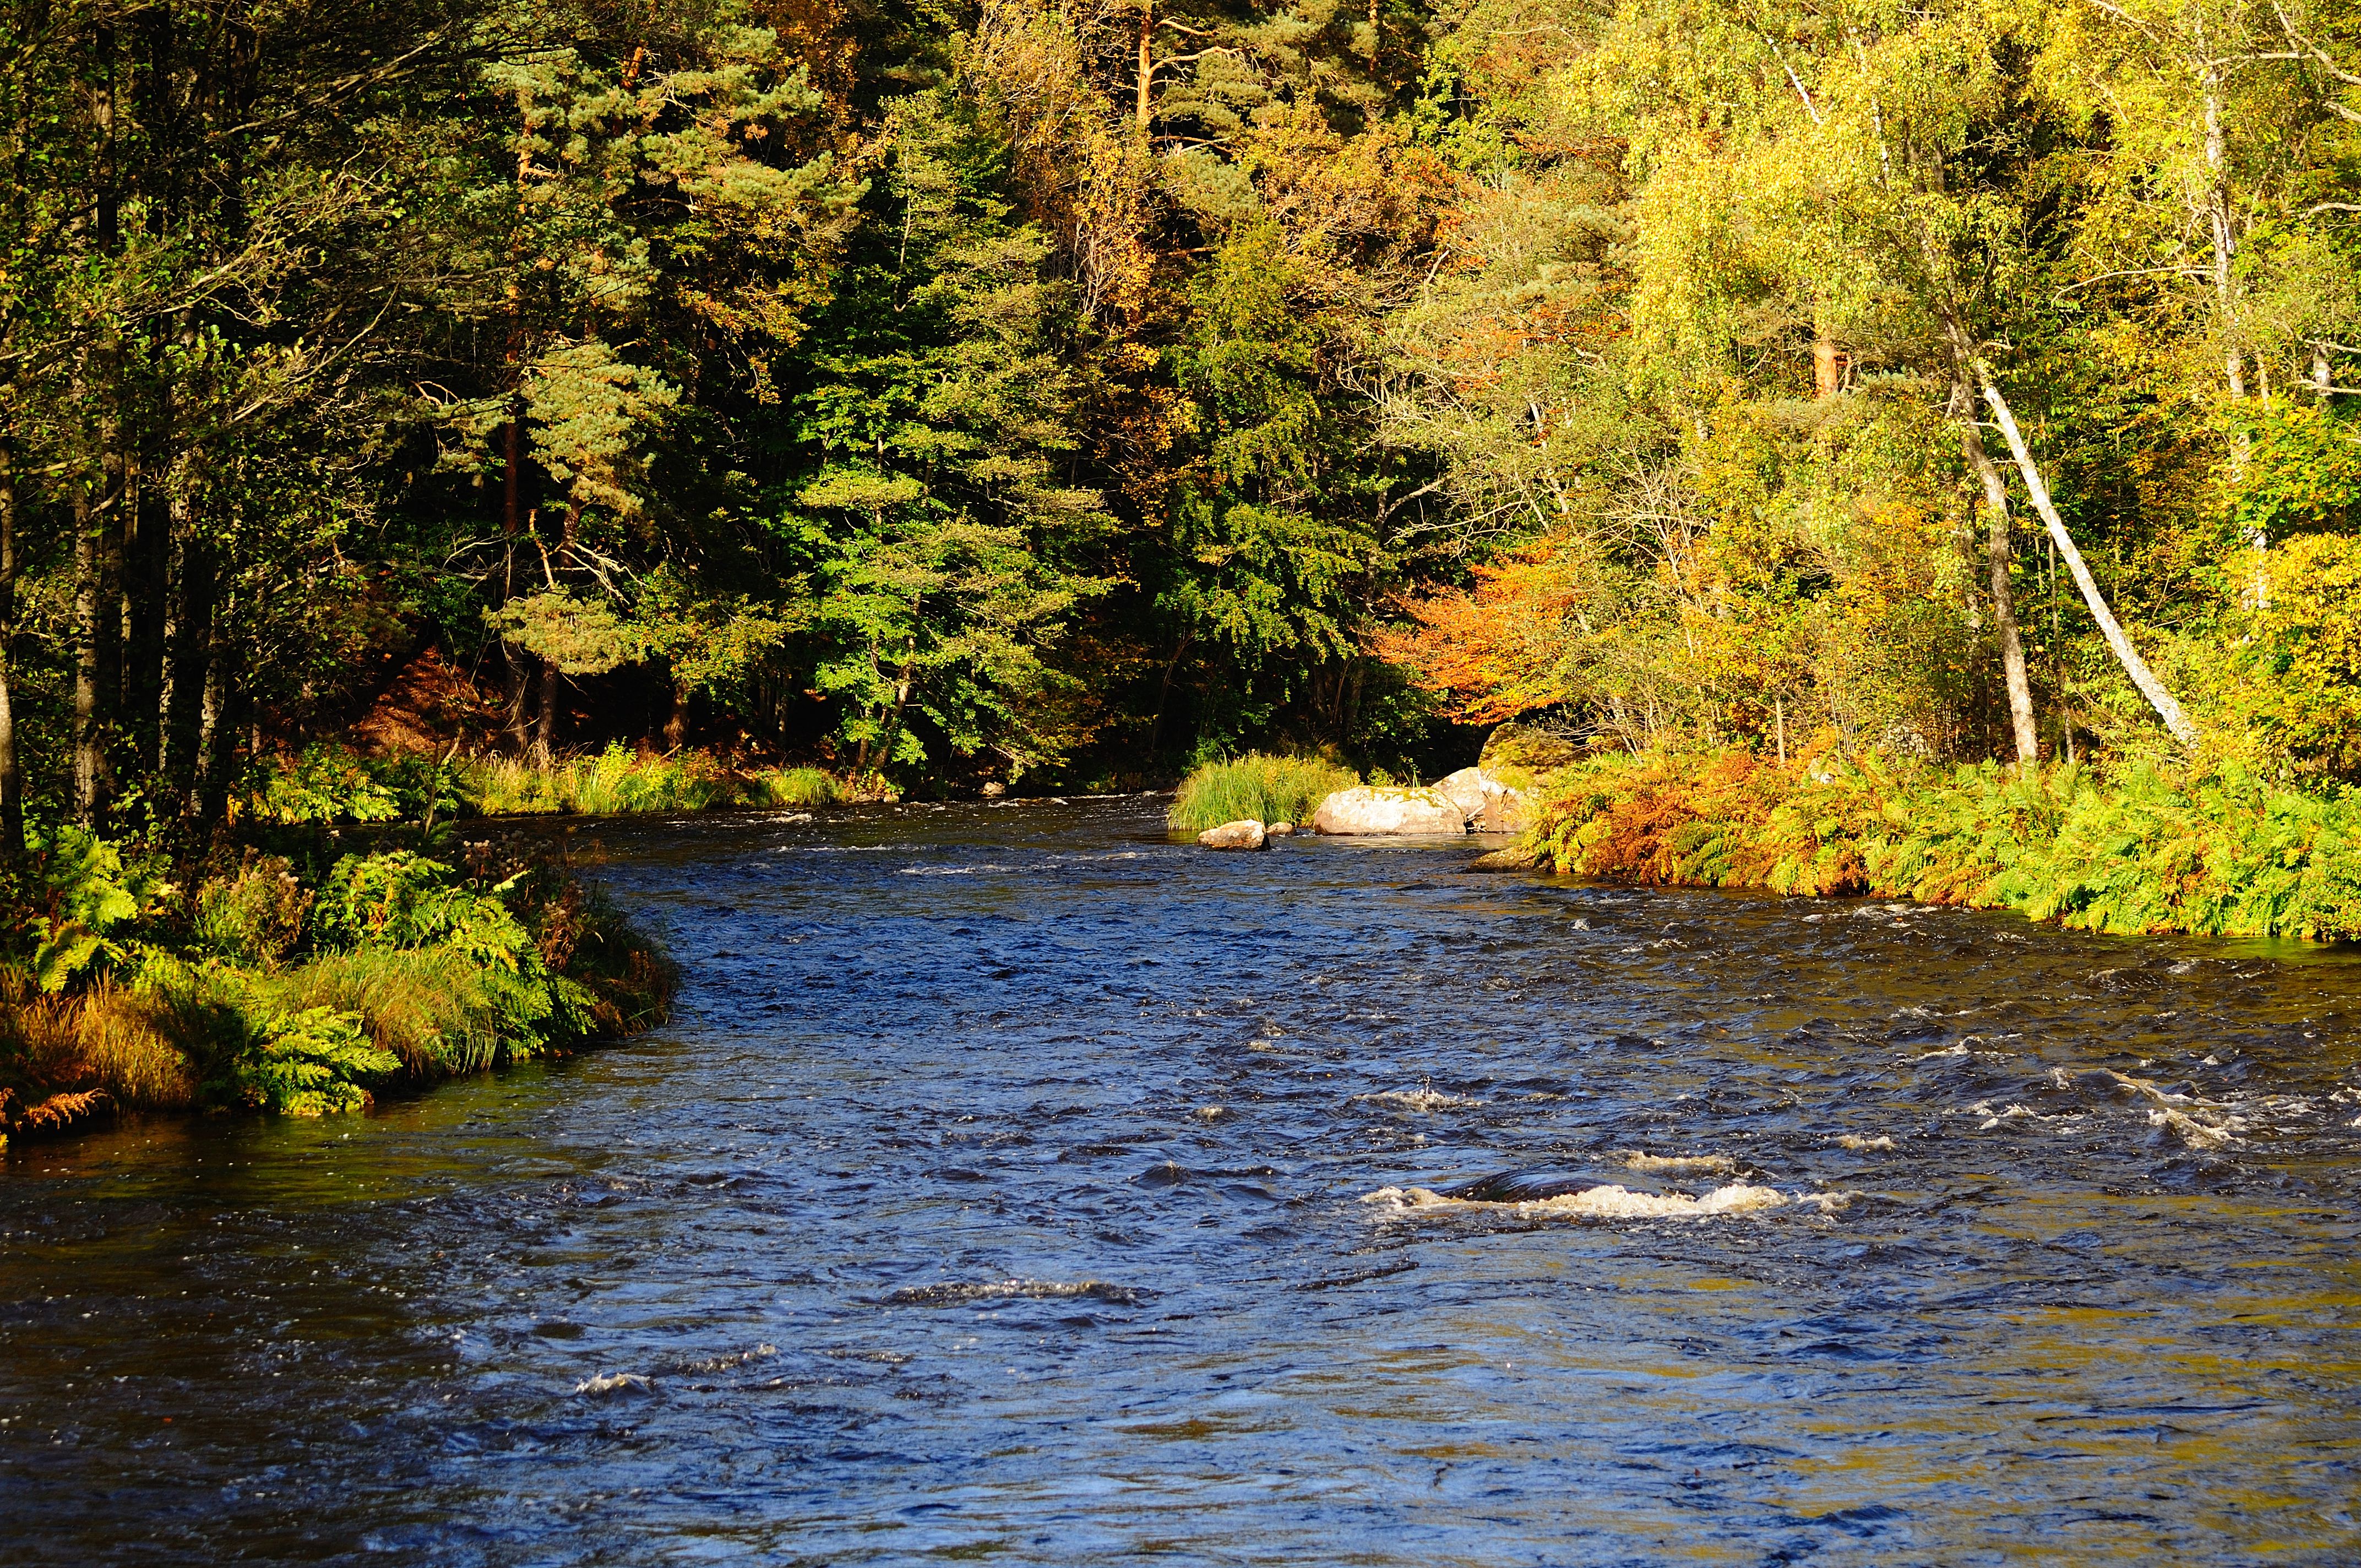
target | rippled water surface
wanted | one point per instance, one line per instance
(1004, 1189)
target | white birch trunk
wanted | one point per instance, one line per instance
(2166, 708)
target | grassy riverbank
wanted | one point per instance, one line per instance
(2132, 850)
(303, 984)
(333, 784)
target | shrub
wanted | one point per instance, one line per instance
(2136, 849)
(308, 1062)
(325, 784)
(76, 891)
(401, 899)
(417, 967)
(255, 917)
(1266, 789)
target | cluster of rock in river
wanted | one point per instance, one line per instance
(1470, 801)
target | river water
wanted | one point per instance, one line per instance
(1015, 1184)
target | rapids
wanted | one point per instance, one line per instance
(1015, 1183)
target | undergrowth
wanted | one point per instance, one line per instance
(334, 784)
(2134, 849)
(1263, 788)
(303, 990)
(618, 781)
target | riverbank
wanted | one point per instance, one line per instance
(304, 982)
(329, 783)
(2130, 850)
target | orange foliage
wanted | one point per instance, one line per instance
(1498, 651)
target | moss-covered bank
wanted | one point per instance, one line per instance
(2135, 849)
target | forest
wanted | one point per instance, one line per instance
(410, 409)
(940, 395)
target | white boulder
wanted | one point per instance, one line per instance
(1491, 807)
(1374, 809)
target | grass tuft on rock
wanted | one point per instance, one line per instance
(1257, 787)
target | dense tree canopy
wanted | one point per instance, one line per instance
(1076, 390)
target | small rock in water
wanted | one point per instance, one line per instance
(1245, 835)
(1280, 830)
(994, 790)
(1210, 1112)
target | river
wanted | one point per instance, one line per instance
(1015, 1184)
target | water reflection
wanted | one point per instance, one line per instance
(1002, 1191)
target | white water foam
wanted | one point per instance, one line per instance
(1424, 1098)
(2198, 1123)
(613, 1383)
(1861, 1144)
(1597, 1203)
(959, 1294)
(1678, 1164)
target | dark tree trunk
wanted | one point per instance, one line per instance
(93, 768)
(12, 782)
(544, 732)
(187, 661)
(217, 726)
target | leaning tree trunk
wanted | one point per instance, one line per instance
(2000, 550)
(2166, 708)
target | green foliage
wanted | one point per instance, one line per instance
(331, 784)
(401, 899)
(76, 892)
(619, 781)
(247, 1048)
(437, 1013)
(310, 1062)
(2217, 853)
(325, 784)
(1264, 788)
(581, 637)
(2290, 681)
(255, 917)
(933, 516)
(2303, 471)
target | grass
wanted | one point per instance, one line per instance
(66, 1058)
(431, 1008)
(2137, 850)
(617, 782)
(795, 786)
(1263, 788)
